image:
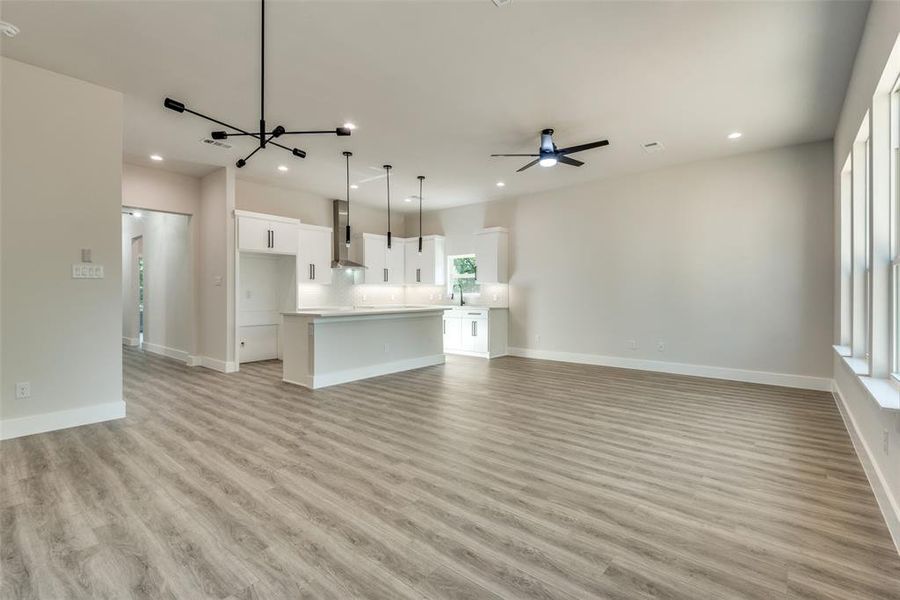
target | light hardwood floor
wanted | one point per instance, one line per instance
(504, 479)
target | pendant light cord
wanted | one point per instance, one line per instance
(421, 179)
(387, 171)
(347, 155)
(262, 76)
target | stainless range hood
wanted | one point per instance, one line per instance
(340, 258)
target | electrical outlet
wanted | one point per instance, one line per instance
(23, 390)
(631, 344)
(886, 440)
(661, 346)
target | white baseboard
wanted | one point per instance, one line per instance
(62, 419)
(783, 379)
(215, 364)
(127, 341)
(194, 361)
(327, 379)
(175, 353)
(890, 507)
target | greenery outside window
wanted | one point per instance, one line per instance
(461, 271)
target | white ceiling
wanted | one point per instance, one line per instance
(435, 87)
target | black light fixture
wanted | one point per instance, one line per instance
(265, 137)
(387, 174)
(421, 179)
(347, 156)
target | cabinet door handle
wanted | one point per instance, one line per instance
(271, 239)
(418, 275)
(312, 272)
(474, 328)
(385, 275)
(445, 327)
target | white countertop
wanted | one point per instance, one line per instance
(330, 312)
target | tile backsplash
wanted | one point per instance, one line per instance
(344, 291)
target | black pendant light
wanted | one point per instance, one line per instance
(265, 137)
(387, 174)
(421, 179)
(347, 156)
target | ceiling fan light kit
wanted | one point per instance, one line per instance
(549, 155)
(264, 137)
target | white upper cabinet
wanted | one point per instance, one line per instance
(395, 260)
(270, 234)
(492, 255)
(428, 267)
(314, 257)
(382, 265)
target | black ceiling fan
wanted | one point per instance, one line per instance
(549, 154)
(262, 136)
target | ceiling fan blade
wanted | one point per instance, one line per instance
(581, 147)
(568, 161)
(528, 166)
(515, 154)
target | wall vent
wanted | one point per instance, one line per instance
(216, 143)
(651, 147)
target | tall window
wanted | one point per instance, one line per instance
(895, 230)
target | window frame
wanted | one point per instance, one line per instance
(452, 273)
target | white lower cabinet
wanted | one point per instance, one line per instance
(476, 331)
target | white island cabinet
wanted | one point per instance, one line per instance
(330, 346)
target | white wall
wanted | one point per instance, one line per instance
(727, 262)
(61, 334)
(160, 190)
(867, 422)
(216, 294)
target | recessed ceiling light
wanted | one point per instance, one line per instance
(500, 184)
(155, 157)
(282, 168)
(734, 135)
(354, 187)
(350, 126)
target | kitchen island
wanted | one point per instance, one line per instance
(329, 346)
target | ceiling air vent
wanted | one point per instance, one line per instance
(651, 147)
(501, 2)
(216, 143)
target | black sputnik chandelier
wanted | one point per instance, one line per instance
(264, 137)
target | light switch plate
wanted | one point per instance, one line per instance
(87, 271)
